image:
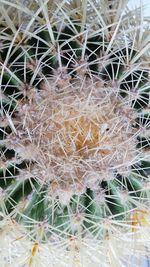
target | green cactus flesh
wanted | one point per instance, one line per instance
(74, 130)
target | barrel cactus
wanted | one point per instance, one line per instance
(74, 133)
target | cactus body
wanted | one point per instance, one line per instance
(74, 130)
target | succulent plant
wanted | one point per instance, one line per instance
(74, 130)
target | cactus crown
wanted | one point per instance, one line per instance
(74, 125)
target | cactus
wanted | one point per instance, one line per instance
(74, 132)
